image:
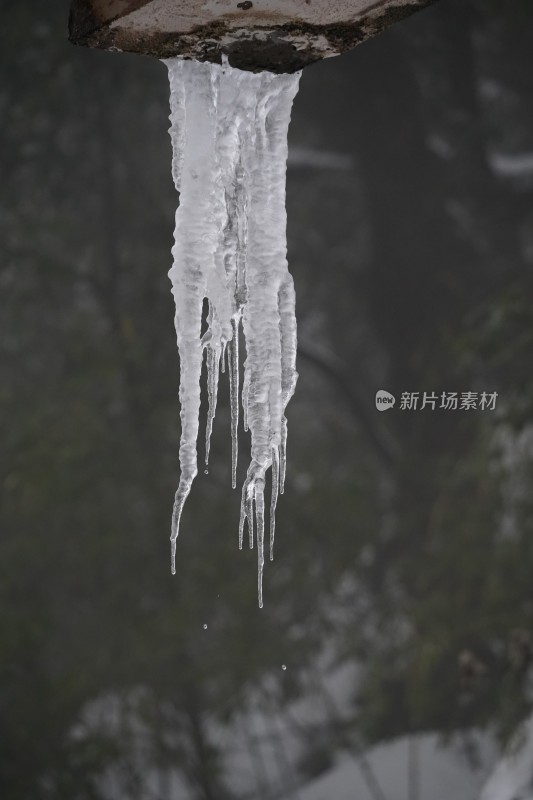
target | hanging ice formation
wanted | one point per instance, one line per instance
(229, 143)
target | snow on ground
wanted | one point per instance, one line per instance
(443, 774)
(319, 159)
(512, 165)
(512, 778)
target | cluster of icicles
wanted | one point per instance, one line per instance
(229, 142)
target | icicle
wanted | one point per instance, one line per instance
(194, 245)
(242, 519)
(245, 392)
(282, 455)
(233, 371)
(213, 367)
(260, 515)
(229, 144)
(249, 511)
(247, 505)
(274, 498)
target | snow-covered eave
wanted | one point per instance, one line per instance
(274, 35)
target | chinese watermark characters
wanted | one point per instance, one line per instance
(449, 401)
(437, 401)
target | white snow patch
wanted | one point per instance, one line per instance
(443, 773)
(320, 159)
(512, 778)
(229, 143)
(512, 165)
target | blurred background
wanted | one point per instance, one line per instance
(392, 659)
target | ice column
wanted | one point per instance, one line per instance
(229, 143)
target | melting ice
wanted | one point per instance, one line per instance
(229, 144)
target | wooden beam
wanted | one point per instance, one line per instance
(276, 35)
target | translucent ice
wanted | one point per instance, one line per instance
(229, 144)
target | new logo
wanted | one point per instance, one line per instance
(384, 400)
